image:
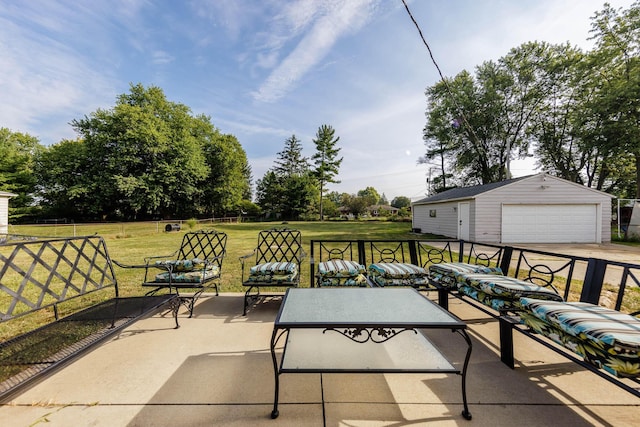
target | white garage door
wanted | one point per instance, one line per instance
(549, 223)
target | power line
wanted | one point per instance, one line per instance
(465, 123)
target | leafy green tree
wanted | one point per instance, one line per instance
(330, 208)
(476, 125)
(288, 189)
(227, 183)
(401, 202)
(554, 125)
(370, 196)
(357, 204)
(334, 197)
(326, 163)
(18, 152)
(290, 160)
(299, 197)
(269, 193)
(149, 157)
(249, 209)
(615, 81)
(66, 187)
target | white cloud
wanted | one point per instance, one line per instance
(161, 57)
(42, 78)
(328, 22)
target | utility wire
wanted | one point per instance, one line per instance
(465, 123)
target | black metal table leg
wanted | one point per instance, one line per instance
(275, 337)
(465, 413)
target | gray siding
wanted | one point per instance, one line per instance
(444, 223)
(535, 191)
(485, 222)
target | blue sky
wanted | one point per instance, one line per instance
(266, 69)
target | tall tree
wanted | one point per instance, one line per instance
(147, 157)
(66, 185)
(325, 161)
(476, 125)
(229, 174)
(290, 160)
(288, 189)
(615, 80)
(18, 153)
(401, 202)
(370, 195)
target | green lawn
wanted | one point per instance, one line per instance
(129, 243)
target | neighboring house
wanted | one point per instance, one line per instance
(382, 210)
(4, 211)
(533, 209)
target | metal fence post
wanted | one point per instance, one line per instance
(593, 280)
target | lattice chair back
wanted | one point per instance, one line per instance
(277, 263)
(208, 245)
(279, 245)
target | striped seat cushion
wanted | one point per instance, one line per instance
(445, 274)
(340, 268)
(273, 272)
(606, 338)
(338, 272)
(507, 287)
(398, 274)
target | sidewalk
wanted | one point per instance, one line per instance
(216, 370)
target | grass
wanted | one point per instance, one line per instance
(129, 243)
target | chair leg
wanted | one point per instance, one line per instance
(248, 296)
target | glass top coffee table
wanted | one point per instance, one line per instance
(362, 330)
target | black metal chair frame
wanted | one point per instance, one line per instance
(206, 245)
(274, 245)
(39, 279)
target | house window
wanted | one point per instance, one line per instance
(432, 213)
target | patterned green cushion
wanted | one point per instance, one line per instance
(496, 303)
(414, 281)
(446, 274)
(181, 264)
(273, 272)
(606, 338)
(507, 287)
(340, 268)
(337, 272)
(359, 280)
(200, 276)
(398, 274)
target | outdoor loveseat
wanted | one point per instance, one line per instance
(603, 338)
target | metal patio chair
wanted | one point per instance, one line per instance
(195, 267)
(274, 263)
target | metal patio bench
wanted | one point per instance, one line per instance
(58, 298)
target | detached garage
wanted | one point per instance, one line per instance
(533, 209)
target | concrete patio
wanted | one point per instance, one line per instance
(216, 370)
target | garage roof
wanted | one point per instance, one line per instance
(468, 192)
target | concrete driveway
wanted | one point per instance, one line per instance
(608, 251)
